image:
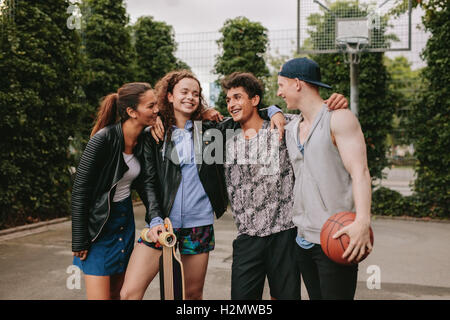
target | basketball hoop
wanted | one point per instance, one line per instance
(351, 47)
(352, 38)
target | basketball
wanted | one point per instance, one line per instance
(334, 248)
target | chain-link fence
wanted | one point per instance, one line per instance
(199, 51)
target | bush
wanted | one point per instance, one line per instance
(39, 67)
(430, 115)
(387, 202)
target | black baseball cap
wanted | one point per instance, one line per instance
(303, 69)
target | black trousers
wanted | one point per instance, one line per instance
(254, 258)
(324, 279)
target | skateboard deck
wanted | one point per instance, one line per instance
(171, 276)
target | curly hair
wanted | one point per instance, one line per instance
(166, 85)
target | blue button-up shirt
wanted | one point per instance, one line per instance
(191, 207)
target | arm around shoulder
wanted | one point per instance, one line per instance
(226, 124)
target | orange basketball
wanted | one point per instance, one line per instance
(335, 248)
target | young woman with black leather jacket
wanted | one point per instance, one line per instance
(183, 195)
(103, 229)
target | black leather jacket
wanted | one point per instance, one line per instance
(167, 172)
(101, 167)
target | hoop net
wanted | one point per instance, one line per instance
(351, 47)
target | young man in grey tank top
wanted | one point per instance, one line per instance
(328, 153)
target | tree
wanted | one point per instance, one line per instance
(376, 107)
(39, 64)
(271, 83)
(243, 45)
(109, 54)
(404, 84)
(155, 47)
(430, 129)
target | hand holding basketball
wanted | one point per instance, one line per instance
(346, 240)
(360, 244)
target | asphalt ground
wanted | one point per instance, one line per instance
(410, 261)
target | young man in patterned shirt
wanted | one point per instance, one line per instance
(260, 181)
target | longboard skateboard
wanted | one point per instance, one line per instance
(171, 276)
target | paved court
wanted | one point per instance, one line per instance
(410, 258)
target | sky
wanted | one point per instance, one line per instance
(188, 16)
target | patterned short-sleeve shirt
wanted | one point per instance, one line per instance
(260, 182)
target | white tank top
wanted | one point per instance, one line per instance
(123, 189)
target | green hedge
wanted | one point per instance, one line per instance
(39, 62)
(387, 202)
(430, 115)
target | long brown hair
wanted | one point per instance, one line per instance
(114, 106)
(166, 85)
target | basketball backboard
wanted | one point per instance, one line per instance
(381, 25)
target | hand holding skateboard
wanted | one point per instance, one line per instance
(171, 274)
(152, 235)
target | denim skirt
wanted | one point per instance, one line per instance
(110, 252)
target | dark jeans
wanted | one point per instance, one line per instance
(323, 278)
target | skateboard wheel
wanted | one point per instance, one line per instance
(167, 239)
(144, 234)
